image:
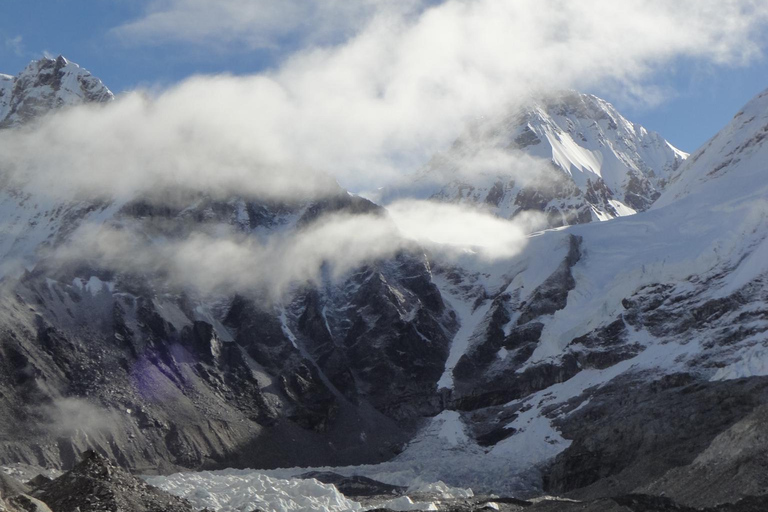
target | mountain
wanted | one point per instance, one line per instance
(627, 356)
(571, 155)
(604, 361)
(45, 85)
(159, 377)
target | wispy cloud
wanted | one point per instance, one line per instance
(15, 44)
(383, 102)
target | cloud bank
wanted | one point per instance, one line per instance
(379, 104)
(399, 85)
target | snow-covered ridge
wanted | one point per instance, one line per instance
(571, 155)
(44, 85)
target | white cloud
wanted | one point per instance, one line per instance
(15, 44)
(226, 262)
(382, 103)
(205, 135)
(462, 228)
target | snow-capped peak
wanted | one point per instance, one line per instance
(571, 155)
(44, 85)
(580, 128)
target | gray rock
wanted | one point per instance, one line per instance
(97, 484)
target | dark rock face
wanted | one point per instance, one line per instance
(355, 486)
(495, 194)
(527, 138)
(383, 338)
(632, 432)
(598, 193)
(556, 196)
(552, 294)
(640, 194)
(97, 484)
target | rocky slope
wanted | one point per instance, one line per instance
(572, 156)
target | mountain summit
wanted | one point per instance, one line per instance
(571, 155)
(45, 85)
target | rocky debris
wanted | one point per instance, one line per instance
(24, 503)
(475, 504)
(644, 503)
(355, 486)
(97, 484)
(485, 503)
(15, 497)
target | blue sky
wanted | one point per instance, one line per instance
(699, 96)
